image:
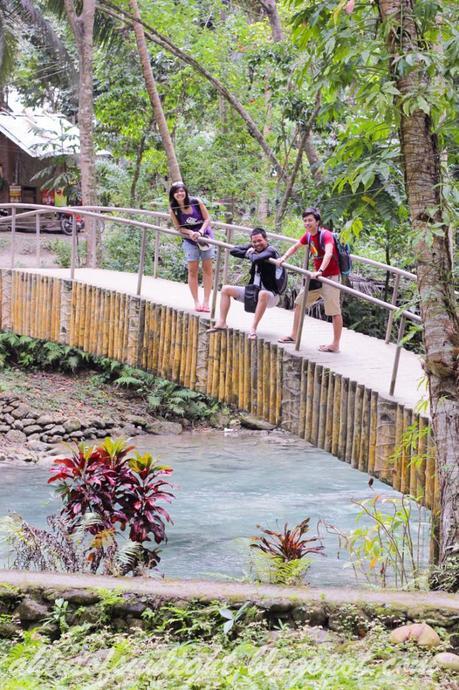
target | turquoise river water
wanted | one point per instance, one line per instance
(226, 485)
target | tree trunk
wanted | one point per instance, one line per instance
(172, 164)
(83, 30)
(138, 163)
(434, 268)
(270, 8)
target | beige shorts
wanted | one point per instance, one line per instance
(329, 294)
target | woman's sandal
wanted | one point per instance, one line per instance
(252, 336)
(217, 329)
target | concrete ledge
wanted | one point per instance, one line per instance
(27, 599)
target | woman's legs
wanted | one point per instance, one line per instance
(207, 280)
(193, 268)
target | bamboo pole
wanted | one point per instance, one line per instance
(252, 399)
(279, 378)
(187, 346)
(344, 407)
(229, 370)
(357, 427)
(31, 311)
(41, 307)
(222, 366)
(87, 321)
(350, 420)
(216, 365)
(303, 391)
(166, 341)
(373, 432)
(404, 456)
(194, 353)
(365, 430)
(36, 310)
(324, 383)
(397, 469)
(329, 413)
(336, 413)
(15, 303)
(210, 362)
(309, 401)
(414, 461)
(260, 377)
(242, 376)
(316, 405)
(26, 304)
(273, 382)
(36, 306)
(265, 379)
(116, 325)
(176, 337)
(73, 316)
(155, 337)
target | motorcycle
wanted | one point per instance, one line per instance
(66, 223)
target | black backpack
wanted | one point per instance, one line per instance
(344, 252)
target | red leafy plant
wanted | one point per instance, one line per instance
(287, 552)
(107, 490)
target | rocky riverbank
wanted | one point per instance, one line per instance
(41, 410)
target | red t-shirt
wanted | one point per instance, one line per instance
(317, 252)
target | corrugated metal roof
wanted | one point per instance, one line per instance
(40, 135)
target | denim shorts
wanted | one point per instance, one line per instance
(193, 252)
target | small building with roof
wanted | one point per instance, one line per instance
(29, 141)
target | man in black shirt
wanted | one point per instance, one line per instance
(262, 273)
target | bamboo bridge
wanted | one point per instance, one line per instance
(345, 403)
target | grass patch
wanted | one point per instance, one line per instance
(253, 661)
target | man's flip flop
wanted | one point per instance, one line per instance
(286, 339)
(327, 348)
(217, 329)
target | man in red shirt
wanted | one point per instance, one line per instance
(325, 256)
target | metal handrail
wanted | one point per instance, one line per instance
(95, 212)
(86, 210)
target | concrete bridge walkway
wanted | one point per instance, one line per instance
(363, 358)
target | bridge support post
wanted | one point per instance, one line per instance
(202, 357)
(134, 330)
(65, 316)
(291, 392)
(385, 438)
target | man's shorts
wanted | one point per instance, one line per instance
(329, 294)
(193, 252)
(273, 299)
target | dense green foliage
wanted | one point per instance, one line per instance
(165, 398)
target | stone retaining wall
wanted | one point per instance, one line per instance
(30, 432)
(29, 600)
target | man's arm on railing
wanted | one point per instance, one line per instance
(291, 250)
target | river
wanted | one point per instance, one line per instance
(225, 485)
